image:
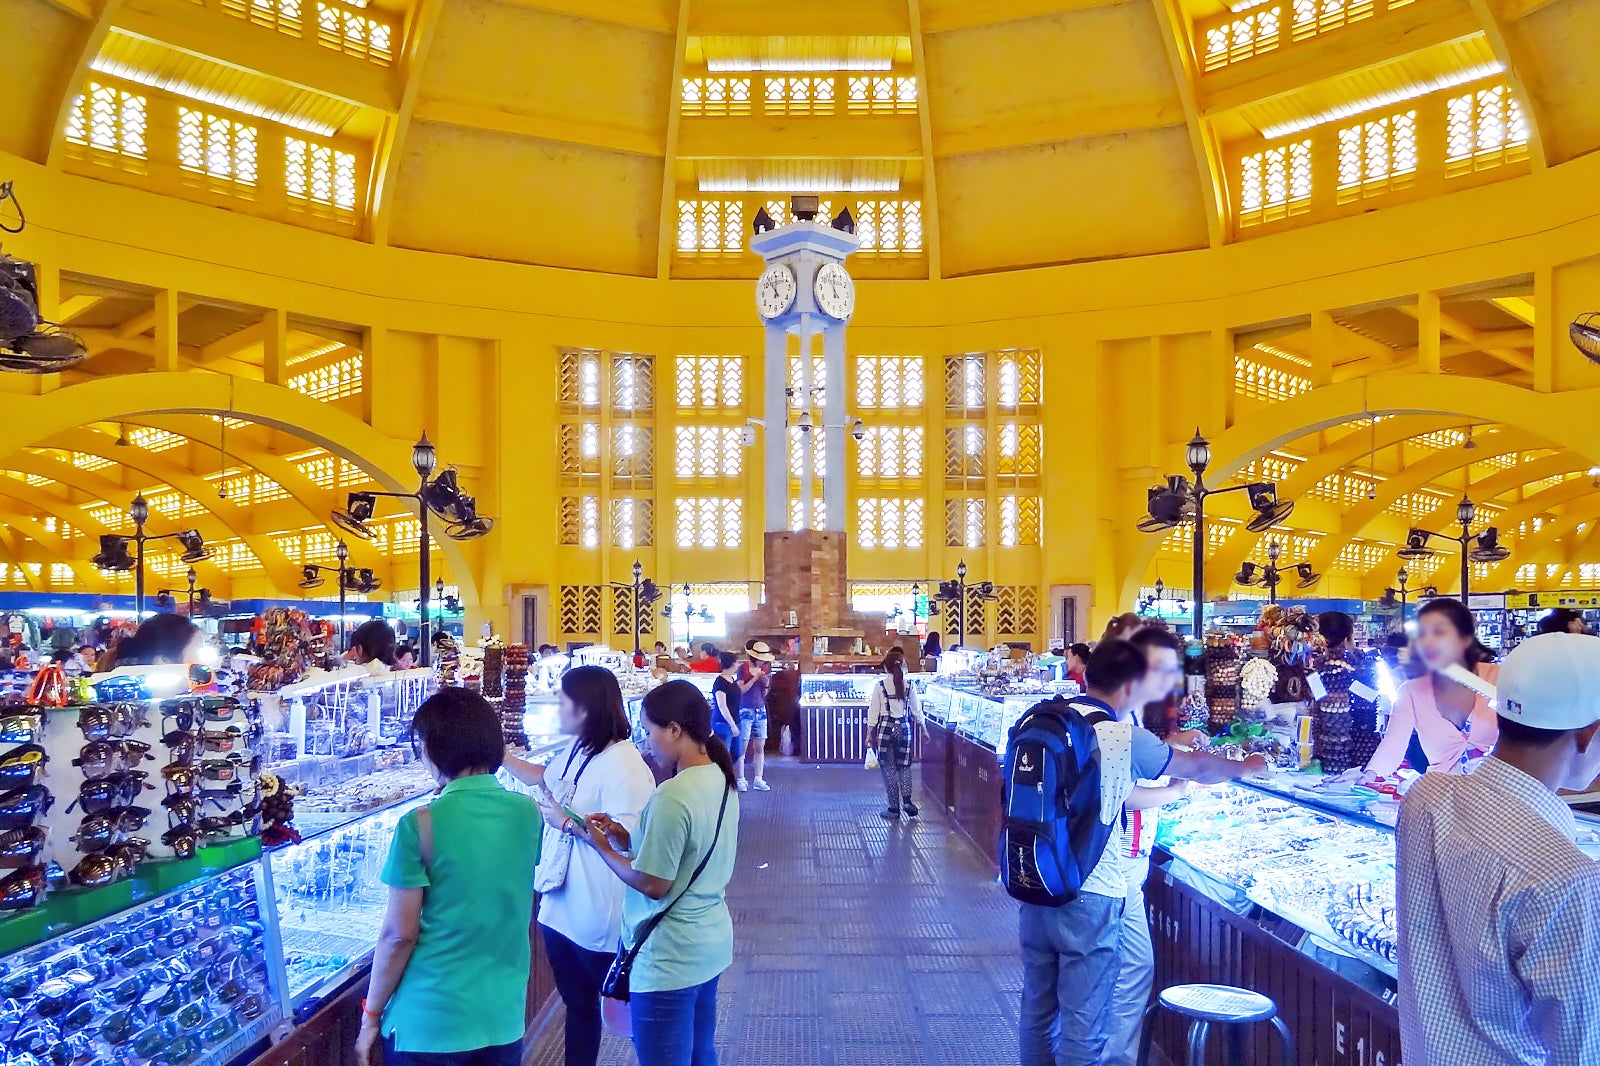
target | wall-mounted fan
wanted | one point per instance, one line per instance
(28, 344)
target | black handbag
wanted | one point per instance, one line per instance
(615, 985)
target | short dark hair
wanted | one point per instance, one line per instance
(1336, 626)
(459, 732)
(727, 660)
(1154, 637)
(1081, 650)
(1558, 620)
(1527, 736)
(376, 639)
(595, 689)
(1114, 664)
(679, 703)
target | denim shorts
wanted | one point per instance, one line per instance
(752, 723)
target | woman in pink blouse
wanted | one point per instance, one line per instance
(1452, 722)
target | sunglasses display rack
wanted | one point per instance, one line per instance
(185, 979)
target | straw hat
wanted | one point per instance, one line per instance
(759, 650)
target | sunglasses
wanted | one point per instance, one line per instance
(20, 806)
(182, 807)
(226, 768)
(21, 767)
(189, 710)
(100, 831)
(118, 790)
(21, 890)
(182, 839)
(181, 778)
(222, 741)
(182, 745)
(221, 797)
(102, 758)
(107, 720)
(220, 824)
(21, 847)
(21, 729)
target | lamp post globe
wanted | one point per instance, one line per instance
(1402, 576)
(140, 510)
(343, 553)
(192, 577)
(638, 570)
(1274, 550)
(961, 570)
(1198, 454)
(423, 457)
(1465, 511)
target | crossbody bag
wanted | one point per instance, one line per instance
(617, 978)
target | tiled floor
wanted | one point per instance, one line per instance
(857, 942)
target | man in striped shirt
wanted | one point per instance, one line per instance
(1498, 910)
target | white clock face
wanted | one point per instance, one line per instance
(835, 292)
(776, 290)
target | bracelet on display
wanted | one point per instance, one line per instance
(375, 1015)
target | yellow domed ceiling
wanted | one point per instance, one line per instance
(639, 137)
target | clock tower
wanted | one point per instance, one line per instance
(805, 291)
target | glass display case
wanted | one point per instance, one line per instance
(1321, 859)
(187, 977)
(829, 690)
(985, 719)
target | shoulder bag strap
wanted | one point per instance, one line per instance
(656, 919)
(425, 838)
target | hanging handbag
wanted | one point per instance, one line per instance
(555, 851)
(615, 985)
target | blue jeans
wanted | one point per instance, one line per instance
(504, 1055)
(676, 1028)
(732, 738)
(1070, 961)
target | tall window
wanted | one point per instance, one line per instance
(216, 147)
(606, 447)
(109, 120)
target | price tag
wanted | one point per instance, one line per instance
(1363, 691)
(1319, 691)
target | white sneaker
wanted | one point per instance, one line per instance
(762, 786)
(744, 786)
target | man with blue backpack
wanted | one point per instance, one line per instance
(1069, 767)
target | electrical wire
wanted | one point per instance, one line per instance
(7, 192)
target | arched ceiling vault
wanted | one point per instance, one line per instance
(1029, 132)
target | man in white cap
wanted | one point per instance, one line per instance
(1499, 912)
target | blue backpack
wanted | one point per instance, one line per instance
(1052, 836)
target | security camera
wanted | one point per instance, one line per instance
(858, 429)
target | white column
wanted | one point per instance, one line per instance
(834, 477)
(776, 438)
(808, 443)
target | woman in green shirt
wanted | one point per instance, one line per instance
(449, 980)
(692, 817)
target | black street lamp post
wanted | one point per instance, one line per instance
(1484, 547)
(1181, 499)
(1271, 575)
(350, 580)
(114, 556)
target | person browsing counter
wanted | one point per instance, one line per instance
(709, 661)
(754, 681)
(449, 980)
(676, 868)
(1452, 723)
(1071, 955)
(892, 709)
(725, 705)
(372, 646)
(1498, 911)
(580, 902)
(1077, 662)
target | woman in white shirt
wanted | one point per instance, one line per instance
(891, 709)
(580, 904)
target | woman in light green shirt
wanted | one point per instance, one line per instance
(449, 980)
(692, 817)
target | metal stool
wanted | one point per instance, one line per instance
(1211, 1005)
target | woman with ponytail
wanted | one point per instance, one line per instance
(1452, 723)
(891, 710)
(676, 867)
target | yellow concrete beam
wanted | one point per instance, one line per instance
(672, 146)
(556, 128)
(658, 16)
(1342, 51)
(1515, 60)
(1177, 36)
(931, 224)
(1427, 313)
(391, 147)
(93, 38)
(828, 137)
(211, 34)
(1518, 307)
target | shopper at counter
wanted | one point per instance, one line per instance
(1498, 910)
(1071, 954)
(1563, 620)
(892, 709)
(677, 867)
(1077, 662)
(372, 646)
(725, 705)
(707, 663)
(755, 679)
(405, 657)
(161, 639)
(1452, 723)
(449, 979)
(580, 902)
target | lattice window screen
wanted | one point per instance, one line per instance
(578, 610)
